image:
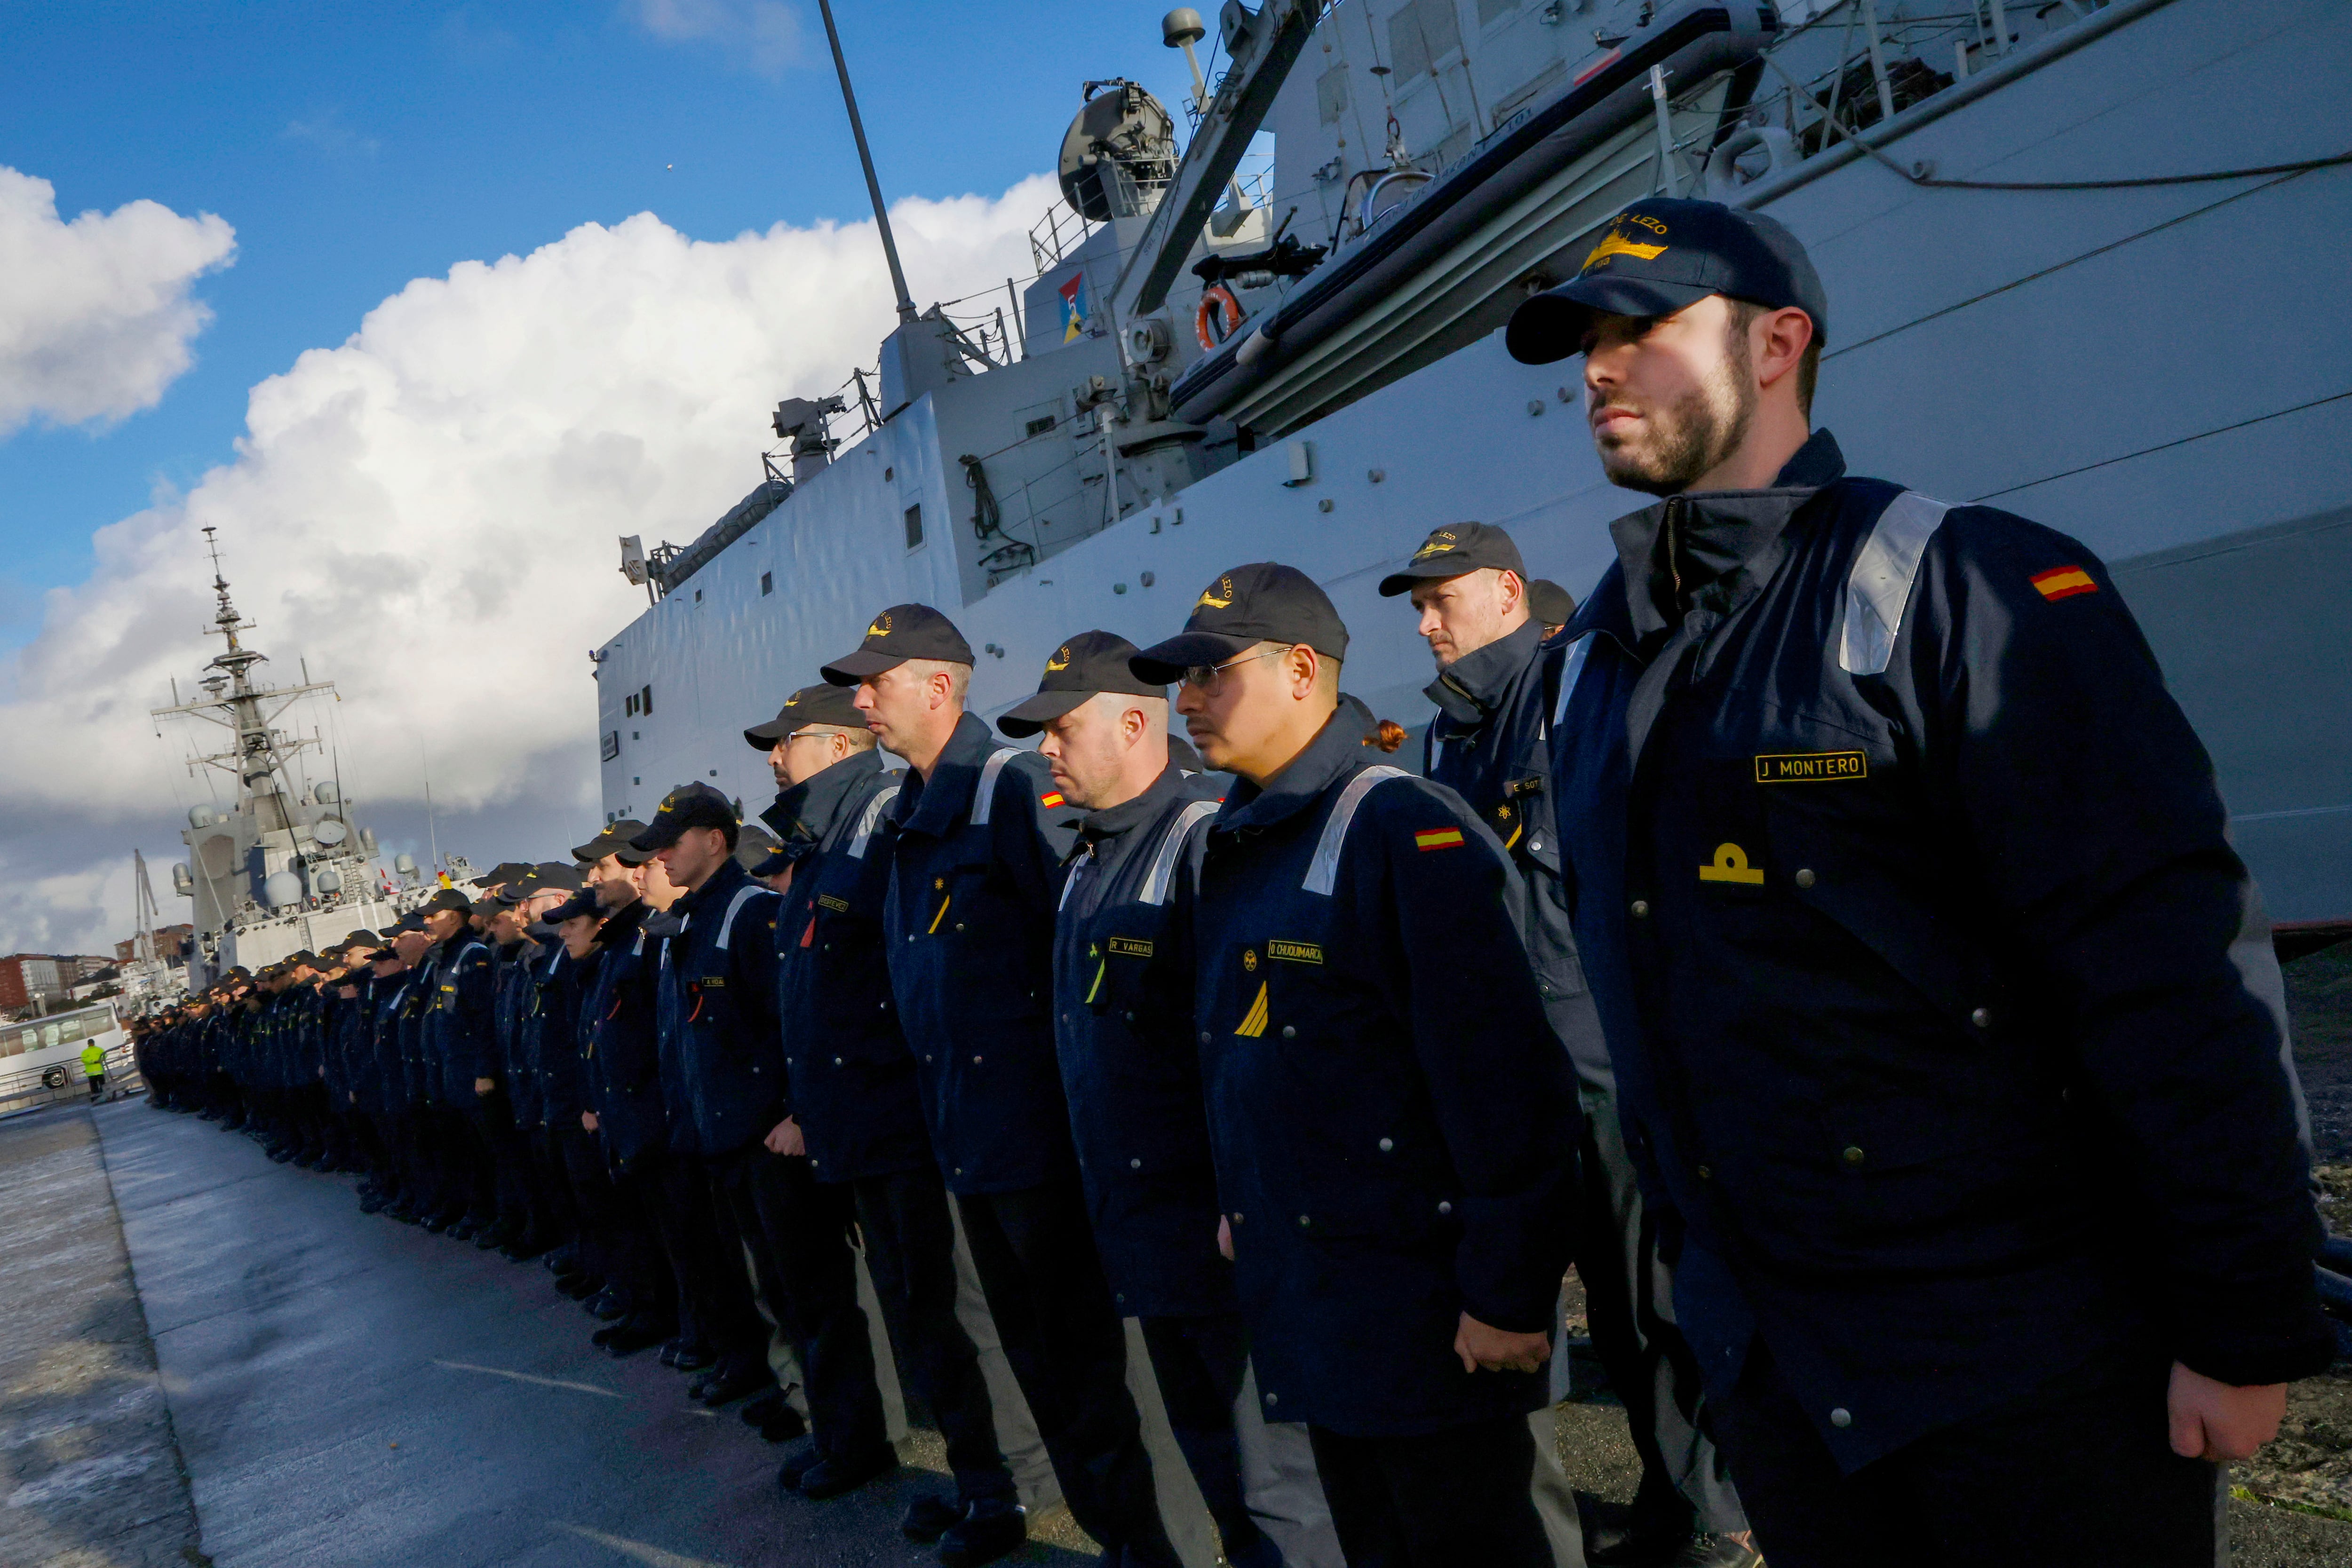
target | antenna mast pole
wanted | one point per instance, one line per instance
(866, 157)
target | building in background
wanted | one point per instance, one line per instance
(48, 977)
(172, 943)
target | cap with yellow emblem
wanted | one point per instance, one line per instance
(1089, 663)
(1451, 550)
(1663, 254)
(901, 632)
(823, 703)
(1264, 602)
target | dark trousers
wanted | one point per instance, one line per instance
(1034, 1251)
(2080, 1473)
(559, 1212)
(1436, 1499)
(595, 1205)
(714, 1293)
(635, 1262)
(1199, 1363)
(910, 1236)
(1629, 1302)
(810, 1277)
(503, 1188)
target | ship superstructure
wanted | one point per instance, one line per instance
(2081, 257)
(282, 867)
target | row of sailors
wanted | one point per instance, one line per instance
(1830, 936)
(990, 994)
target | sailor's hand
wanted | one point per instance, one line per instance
(785, 1138)
(1483, 1348)
(2217, 1421)
(1225, 1237)
(484, 1085)
(587, 1120)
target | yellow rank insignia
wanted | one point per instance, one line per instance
(1253, 1023)
(1437, 838)
(1730, 865)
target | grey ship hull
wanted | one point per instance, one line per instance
(2160, 373)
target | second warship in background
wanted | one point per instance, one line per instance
(2083, 258)
(281, 866)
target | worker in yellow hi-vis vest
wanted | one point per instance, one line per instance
(93, 1067)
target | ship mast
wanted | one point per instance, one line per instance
(246, 708)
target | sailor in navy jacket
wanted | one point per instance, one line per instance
(853, 1076)
(976, 853)
(1393, 1121)
(1132, 1077)
(1946, 1020)
(975, 871)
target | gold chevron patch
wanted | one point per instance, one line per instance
(1254, 1021)
(1616, 243)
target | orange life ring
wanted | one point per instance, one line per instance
(1219, 317)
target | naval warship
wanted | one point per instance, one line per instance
(282, 867)
(2085, 262)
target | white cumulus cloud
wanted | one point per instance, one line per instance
(96, 315)
(760, 36)
(426, 513)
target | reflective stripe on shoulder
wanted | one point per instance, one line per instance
(983, 799)
(743, 895)
(1163, 863)
(1323, 870)
(874, 809)
(639, 950)
(1879, 587)
(1569, 672)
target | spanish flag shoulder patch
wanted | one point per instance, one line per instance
(2063, 582)
(1437, 838)
(1050, 798)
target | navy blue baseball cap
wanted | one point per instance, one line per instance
(1263, 601)
(687, 806)
(1660, 254)
(901, 632)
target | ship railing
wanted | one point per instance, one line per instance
(1061, 231)
(1888, 55)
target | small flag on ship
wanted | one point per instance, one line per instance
(1074, 308)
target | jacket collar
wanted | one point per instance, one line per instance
(1337, 750)
(806, 811)
(1721, 545)
(1469, 690)
(1112, 822)
(932, 805)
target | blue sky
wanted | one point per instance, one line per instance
(356, 148)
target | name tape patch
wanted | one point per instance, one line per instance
(1130, 946)
(1811, 767)
(838, 905)
(1297, 952)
